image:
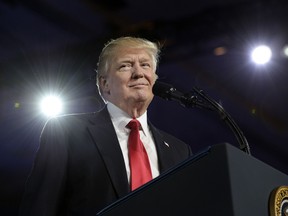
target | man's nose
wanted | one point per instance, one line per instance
(137, 71)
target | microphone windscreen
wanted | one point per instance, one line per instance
(162, 89)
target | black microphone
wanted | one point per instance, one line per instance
(168, 92)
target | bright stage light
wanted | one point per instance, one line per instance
(261, 54)
(285, 51)
(51, 106)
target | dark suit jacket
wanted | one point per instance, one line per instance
(79, 168)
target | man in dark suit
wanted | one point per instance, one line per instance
(83, 162)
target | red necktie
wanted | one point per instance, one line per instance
(138, 158)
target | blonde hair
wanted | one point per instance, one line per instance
(107, 52)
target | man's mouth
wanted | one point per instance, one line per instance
(137, 85)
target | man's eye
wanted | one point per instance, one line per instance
(146, 65)
(125, 66)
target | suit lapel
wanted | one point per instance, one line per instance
(105, 138)
(165, 153)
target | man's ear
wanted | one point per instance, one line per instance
(103, 82)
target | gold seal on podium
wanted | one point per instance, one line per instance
(278, 202)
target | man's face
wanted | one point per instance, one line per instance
(130, 78)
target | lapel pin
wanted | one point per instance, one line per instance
(166, 144)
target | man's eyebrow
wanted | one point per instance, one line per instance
(129, 60)
(145, 59)
(121, 60)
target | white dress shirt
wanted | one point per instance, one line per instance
(120, 119)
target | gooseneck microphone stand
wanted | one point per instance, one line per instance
(244, 146)
(191, 100)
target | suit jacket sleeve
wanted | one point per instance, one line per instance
(47, 180)
(78, 169)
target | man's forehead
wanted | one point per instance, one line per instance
(132, 53)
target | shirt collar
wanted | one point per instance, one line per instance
(120, 118)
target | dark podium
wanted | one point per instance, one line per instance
(220, 181)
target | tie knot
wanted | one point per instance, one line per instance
(134, 124)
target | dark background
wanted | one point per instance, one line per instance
(52, 46)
